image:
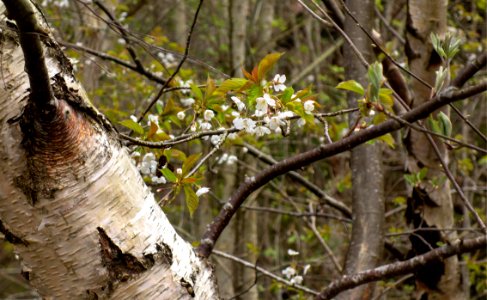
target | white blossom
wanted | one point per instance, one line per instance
(238, 102)
(297, 279)
(262, 103)
(185, 84)
(204, 125)
(202, 191)
(160, 179)
(181, 115)
(179, 171)
(292, 252)
(152, 118)
(286, 114)
(133, 118)
(274, 123)
(278, 82)
(306, 269)
(289, 272)
(224, 107)
(262, 130)
(208, 115)
(215, 139)
(187, 101)
(301, 122)
(232, 136)
(148, 165)
(309, 106)
(244, 123)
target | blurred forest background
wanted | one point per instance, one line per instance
(287, 227)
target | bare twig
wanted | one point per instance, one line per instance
(456, 185)
(149, 75)
(265, 272)
(207, 156)
(173, 75)
(297, 214)
(303, 181)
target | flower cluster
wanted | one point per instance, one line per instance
(148, 166)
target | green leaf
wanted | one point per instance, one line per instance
(232, 84)
(131, 124)
(422, 173)
(386, 98)
(434, 125)
(198, 94)
(267, 63)
(192, 200)
(190, 162)
(375, 78)
(287, 94)
(351, 85)
(388, 139)
(445, 124)
(170, 176)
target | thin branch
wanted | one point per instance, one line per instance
(327, 248)
(294, 162)
(473, 127)
(124, 34)
(403, 267)
(469, 70)
(265, 272)
(148, 74)
(303, 181)
(424, 130)
(456, 185)
(207, 156)
(369, 35)
(389, 26)
(177, 140)
(297, 214)
(186, 52)
(30, 33)
(335, 9)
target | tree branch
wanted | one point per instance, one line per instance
(403, 267)
(30, 33)
(220, 222)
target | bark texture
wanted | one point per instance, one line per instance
(365, 250)
(428, 205)
(74, 205)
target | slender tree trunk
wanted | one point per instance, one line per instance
(429, 206)
(239, 10)
(365, 250)
(180, 22)
(71, 201)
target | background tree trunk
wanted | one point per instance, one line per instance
(429, 206)
(367, 242)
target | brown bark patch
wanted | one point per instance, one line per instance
(121, 266)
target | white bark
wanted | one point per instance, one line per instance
(82, 220)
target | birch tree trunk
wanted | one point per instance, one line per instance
(365, 250)
(71, 201)
(429, 206)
